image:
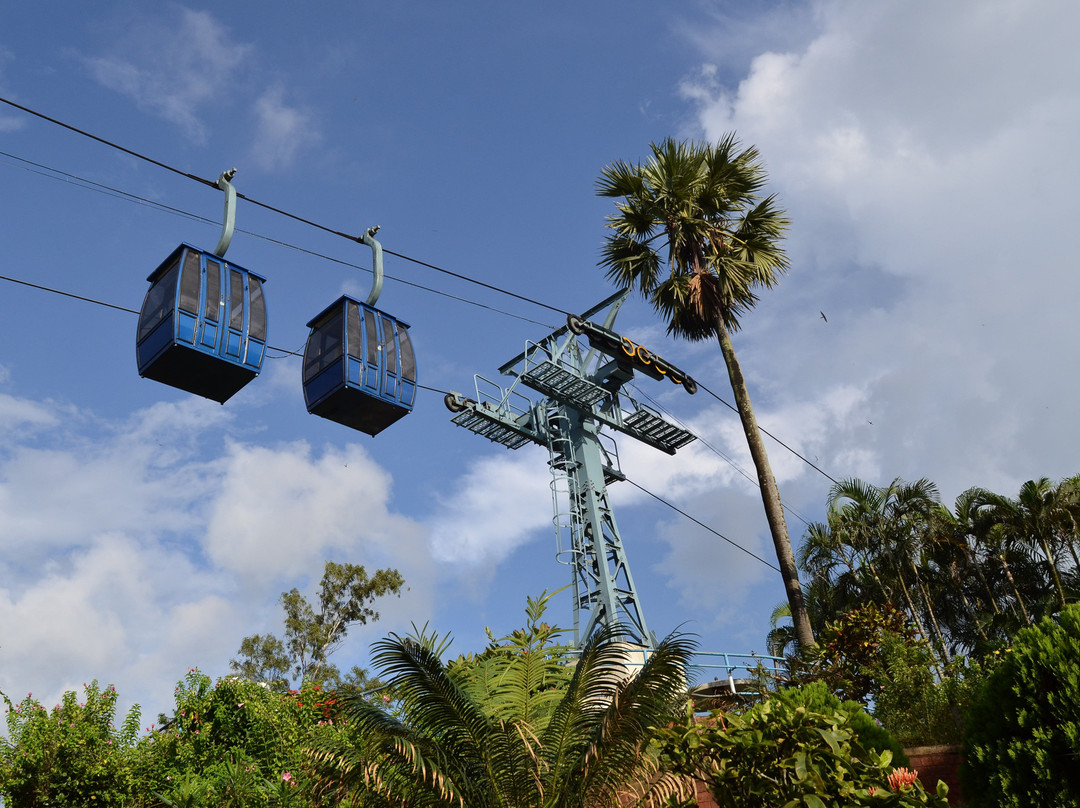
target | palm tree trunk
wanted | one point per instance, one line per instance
(1052, 563)
(1016, 591)
(972, 611)
(886, 591)
(986, 585)
(770, 495)
(1071, 540)
(946, 656)
(915, 616)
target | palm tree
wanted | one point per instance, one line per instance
(704, 202)
(1040, 515)
(955, 561)
(891, 529)
(441, 747)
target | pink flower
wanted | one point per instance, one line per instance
(287, 777)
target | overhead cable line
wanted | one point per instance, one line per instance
(272, 208)
(771, 435)
(753, 481)
(116, 307)
(68, 294)
(82, 182)
(341, 234)
(699, 523)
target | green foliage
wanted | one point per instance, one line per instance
(236, 742)
(918, 708)
(818, 698)
(263, 658)
(698, 208)
(779, 753)
(522, 676)
(345, 596)
(1022, 746)
(968, 578)
(849, 652)
(71, 755)
(872, 655)
(484, 731)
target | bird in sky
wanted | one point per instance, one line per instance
(823, 317)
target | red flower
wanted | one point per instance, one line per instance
(902, 778)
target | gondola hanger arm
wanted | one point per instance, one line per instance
(368, 238)
(225, 184)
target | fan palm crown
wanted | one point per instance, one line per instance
(703, 203)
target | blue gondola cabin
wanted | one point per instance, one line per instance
(202, 327)
(359, 367)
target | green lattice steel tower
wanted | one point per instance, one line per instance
(583, 396)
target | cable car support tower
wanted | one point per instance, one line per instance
(582, 388)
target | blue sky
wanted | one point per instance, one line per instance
(924, 153)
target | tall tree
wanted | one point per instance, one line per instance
(311, 636)
(1039, 516)
(704, 202)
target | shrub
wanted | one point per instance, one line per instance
(917, 708)
(237, 740)
(71, 755)
(1022, 743)
(778, 753)
(817, 698)
(849, 652)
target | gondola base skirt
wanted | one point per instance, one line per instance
(358, 410)
(203, 374)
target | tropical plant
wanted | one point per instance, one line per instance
(1022, 742)
(521, 676)
(1042, 515)
(441, 747)
(783, 753)
(818, 697)
(918, 707)
(236, 741)
(848, 658)
(71, 755)
(703, 203)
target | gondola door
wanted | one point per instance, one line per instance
(213, 307)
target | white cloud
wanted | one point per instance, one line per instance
(131, 551)
(282, 512)
(500, 502)
(17, 413)
(281, 130)
(928, 184)
(173, 68)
